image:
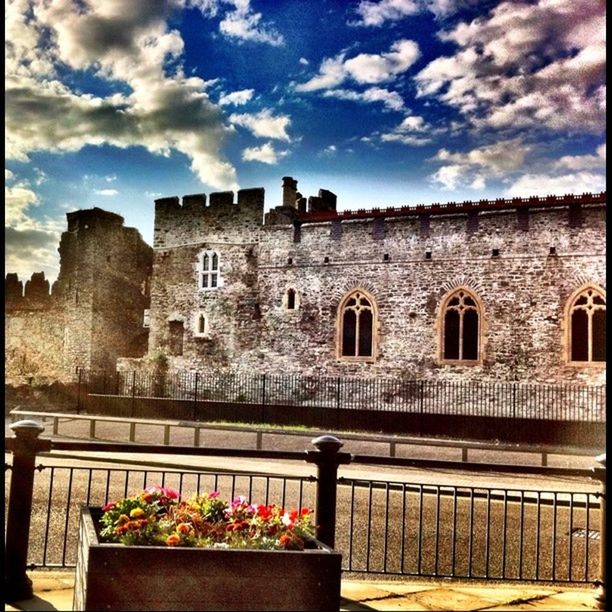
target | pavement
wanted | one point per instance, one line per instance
(53, 590)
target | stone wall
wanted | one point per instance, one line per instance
(92, 315)
(522, 263)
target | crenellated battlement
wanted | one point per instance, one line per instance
(318, 214)
(178, 221)
(36, 295)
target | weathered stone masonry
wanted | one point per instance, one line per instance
(521, 260)
(234, 289)
(93, 313)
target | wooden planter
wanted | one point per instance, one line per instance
(118, 577)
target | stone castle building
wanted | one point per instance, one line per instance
(93, 313)
(495, 290)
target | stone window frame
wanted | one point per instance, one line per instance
(296, 299)
(440, 331)
(199, 317)
(567, 327)
(210, 273)
(340, 327)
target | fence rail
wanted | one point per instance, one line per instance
(382, 527)
(559, 402)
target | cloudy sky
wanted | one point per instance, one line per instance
(113, 103)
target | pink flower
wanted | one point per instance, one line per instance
(108, 506)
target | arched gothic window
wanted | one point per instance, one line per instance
(209, 276)
(461, 324)
(587, 326)
(357, 327)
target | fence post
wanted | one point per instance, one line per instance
(599, 472)
(263, 398)
(133, 393)
(327, 458)
(78, 406)
(195, 397)
(25, 446)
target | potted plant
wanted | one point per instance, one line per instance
(154, 551)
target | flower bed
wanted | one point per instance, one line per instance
(154, 552)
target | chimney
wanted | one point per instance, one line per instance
(289, 192)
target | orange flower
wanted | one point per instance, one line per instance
(183, 527)
(173, 539)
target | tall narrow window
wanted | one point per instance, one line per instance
(587, 326)
(290, 299)
(175, 329)
(357, 327)
(208, 270)
(460, 327)
(201, 324)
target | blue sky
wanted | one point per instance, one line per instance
(114, 103)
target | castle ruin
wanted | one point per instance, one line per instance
(492, 290)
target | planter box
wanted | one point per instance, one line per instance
(118, 577)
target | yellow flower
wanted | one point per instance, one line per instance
(136, 512)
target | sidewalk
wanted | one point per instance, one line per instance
(53, 590)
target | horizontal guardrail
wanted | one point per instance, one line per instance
(464, 446)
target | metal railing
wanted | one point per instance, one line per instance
(383, 527)
(560, 402)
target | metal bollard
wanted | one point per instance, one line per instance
(600, 474)
(25, 447)
(327, 458)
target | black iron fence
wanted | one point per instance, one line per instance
(557, 402)
(382, 527)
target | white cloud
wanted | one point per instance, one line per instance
(265, 154)
(449, 177)
(390, 99)
(499, 158)
(29, 244)
(17, 199)
(411, 132)
(127, 43)
(536, 65)
(507, 160)
(8, 175)
(543, 184)
(583, 162)
(365, 68)
(469, 168)
(329, 151)
(304, 61)
(264, 124)
(106, 192)
(243, 24)
(237, 98)
(377, 13)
